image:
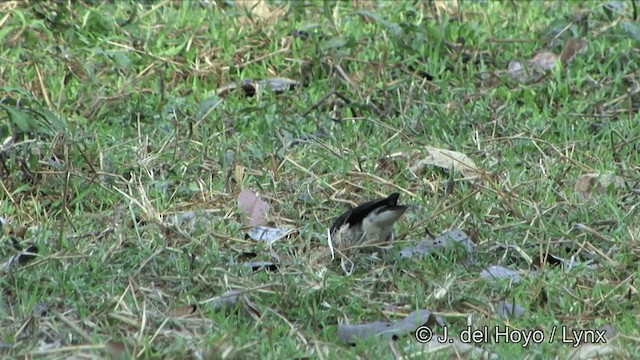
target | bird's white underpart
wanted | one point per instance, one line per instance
(378, 226)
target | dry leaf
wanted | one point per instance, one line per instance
(534, 69)
(591, 183)
(270, 235)
(250, 87)
(238, 173)
(45, 347)
(593, 351)
(227, 300)
(571, 48)
(392, 331)
(279, 84)
(255, 7)
(446, 6)
(231, 298)
(425, 247)
(514, 66)
(116, 349)
(446, 159)
(255, 208)
(499, 272)
(260, 10)
(19, 232)
(41, 309)
(544, 60)
(516, 71)
(184, 311)
(608, 330)
(190, 219)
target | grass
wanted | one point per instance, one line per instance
(118, 128)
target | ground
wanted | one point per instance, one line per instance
(142, 140)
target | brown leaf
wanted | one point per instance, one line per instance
(255, 208)
(184, 311)
(589, 184)
(19, 232)
(446, 159)
(571, 48)
(260, 10)
(543, 60)
(238, 173)
(256, 7)
(116, 349)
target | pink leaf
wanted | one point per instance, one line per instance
(254, 207)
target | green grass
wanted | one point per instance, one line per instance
(112, 141)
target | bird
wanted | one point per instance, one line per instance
(370, 223)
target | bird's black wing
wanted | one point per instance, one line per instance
(357, 214)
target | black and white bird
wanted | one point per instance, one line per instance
(370, 223)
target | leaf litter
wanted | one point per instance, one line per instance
(254, 208)
(226, 302)
(418, 160)
(349, 333)
(544, 61)
(455, 237)
(592, 184)
(268, 234)
(251, 87)
(256, 211)
(446, 159)
(500, 272)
